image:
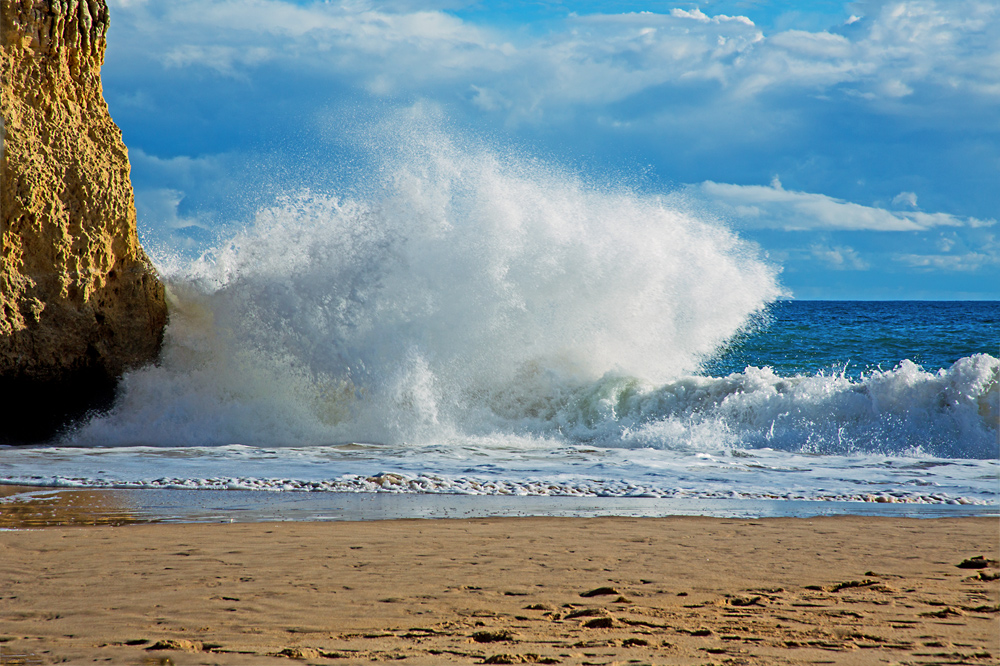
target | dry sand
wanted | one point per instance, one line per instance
(846, 590)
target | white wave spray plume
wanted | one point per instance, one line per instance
(467, 289)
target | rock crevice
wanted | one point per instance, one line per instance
(79, 300)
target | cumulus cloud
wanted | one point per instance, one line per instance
(699, 15)
(840, 258)
(968, 262)
(956, 254)
(895, 50)
(162, 205)
(773, 207)
(343, 39)
(177, 173)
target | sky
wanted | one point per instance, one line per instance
(857, 143)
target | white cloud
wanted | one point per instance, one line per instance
(594, 58)
(905, 199)
(159, 207)
(223, 59)
(489, 100)
(163, 188)
(180, 172)
(349, 39)
(945, 244)
(968, 262)
(761, 207)
(699, 15)
(977, 251)
(840, 257)
(945, 45)
(164, 231)
(898, 49)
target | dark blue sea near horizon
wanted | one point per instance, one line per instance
(858, 337)
(479, 324)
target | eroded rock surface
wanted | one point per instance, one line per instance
(79, 300)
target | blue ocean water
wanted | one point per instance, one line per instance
(857, 337)
(474, 322)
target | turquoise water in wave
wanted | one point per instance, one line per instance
(855, 337)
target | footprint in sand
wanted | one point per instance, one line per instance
(180, 645)
(736, 600)
(635, 642)
(519, 659)
(492, 636)
(299, 653)
(944, 612)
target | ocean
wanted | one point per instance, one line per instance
(474, 322)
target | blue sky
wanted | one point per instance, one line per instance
(858, 143)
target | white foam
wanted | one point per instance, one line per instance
(582, 471)
(951, 413)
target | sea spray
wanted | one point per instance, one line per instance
(463, 294)
(951, 413)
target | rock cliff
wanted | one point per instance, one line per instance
(79, 300)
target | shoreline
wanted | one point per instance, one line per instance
(678, 590)
(41, 506)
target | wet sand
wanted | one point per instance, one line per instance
(682, 590)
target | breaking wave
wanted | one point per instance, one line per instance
(471, 296)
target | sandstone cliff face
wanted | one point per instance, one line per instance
(79, 300)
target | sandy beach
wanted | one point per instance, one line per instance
(684, 590)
